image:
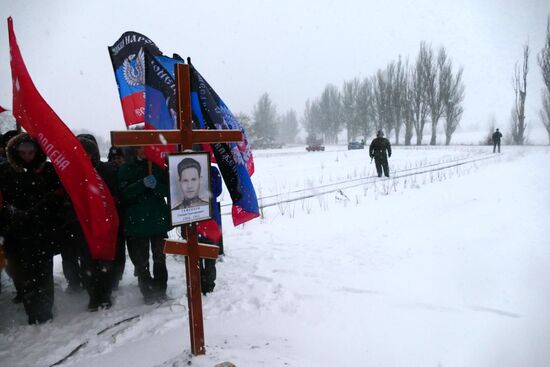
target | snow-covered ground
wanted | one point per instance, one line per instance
(446, 268)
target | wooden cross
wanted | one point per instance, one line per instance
(185, 137)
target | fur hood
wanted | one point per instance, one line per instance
(17, 163)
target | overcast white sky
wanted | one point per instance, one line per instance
(290, 49)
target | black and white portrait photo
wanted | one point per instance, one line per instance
(189, 187)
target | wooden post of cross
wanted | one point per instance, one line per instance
(185, 137)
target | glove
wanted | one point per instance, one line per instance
(150, 182)
(389, 155)
(371, 155)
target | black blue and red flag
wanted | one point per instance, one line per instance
(160, 102)
(234, 159)
(128, 59)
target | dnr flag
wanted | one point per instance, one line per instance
(234, 159)
(128, 58)
(160, 102)
(91, 198)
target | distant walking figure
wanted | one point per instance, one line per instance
(496, 140)
(377, 150)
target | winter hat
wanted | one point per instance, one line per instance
(87, 136)
(113, 152)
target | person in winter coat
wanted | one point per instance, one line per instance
(100, 274)
(116, 159)
(496, 140)
(31, 194)
(146, 222)
(380, 150)
(116, 156)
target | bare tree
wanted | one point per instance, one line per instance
(389, 98)
(350, 91)
(520, 91)
(288, 127)
(435, 80)
(545, 112)
(452, 101)
(383, 98)
(544, 62)
(246, 123)
(331, 113)
(408, 110)
(420, 107)
(265, 118)
(398, 100)
(365, 107)
(311, 121)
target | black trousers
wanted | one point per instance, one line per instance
(138, 249)
(79, 268)
(31, 264)
(495, 144)
(35, 275)
(73, 270)
(382, 164)
(120, 257)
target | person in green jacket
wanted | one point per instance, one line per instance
(146, 221)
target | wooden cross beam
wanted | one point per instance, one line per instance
(185, 137)
(158, 137)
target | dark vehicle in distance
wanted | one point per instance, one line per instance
(314, 144)
(315, 148)
(356, 145)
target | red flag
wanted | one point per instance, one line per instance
(91, 198)
(2, 109)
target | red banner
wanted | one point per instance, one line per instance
(91, 198)
(2, 109)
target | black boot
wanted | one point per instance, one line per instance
(93, 304)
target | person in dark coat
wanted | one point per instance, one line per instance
(4, 139)
(496, 140)
(31, 193)
(72, 244)
(116, 160)
(380, 150)
(146, 222)
(116, 156)
(100, 274)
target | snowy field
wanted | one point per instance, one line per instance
(446, 264)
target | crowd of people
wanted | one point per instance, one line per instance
(38, 221)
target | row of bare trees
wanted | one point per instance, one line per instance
(518, 125)
(399, 99)
(400, 96)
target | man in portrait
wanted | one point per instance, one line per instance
(189, 176)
